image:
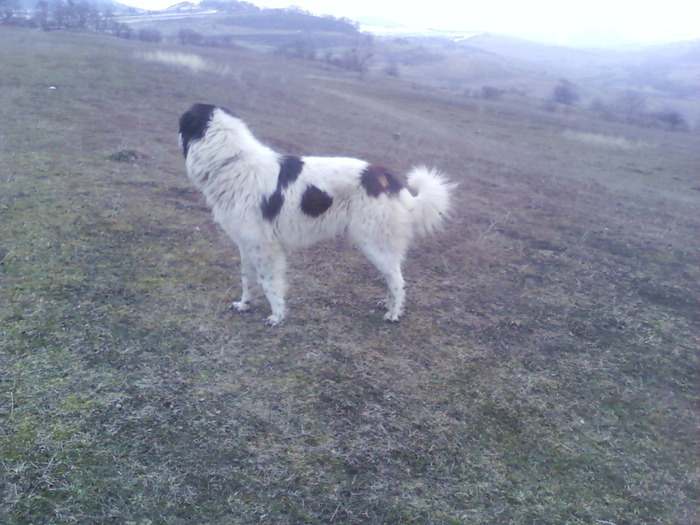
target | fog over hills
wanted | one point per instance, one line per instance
(664, 77)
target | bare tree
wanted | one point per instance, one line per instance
(358, 57)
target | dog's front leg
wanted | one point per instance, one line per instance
(271, 265)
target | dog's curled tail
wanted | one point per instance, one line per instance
(431, 198)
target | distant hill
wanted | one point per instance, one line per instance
(102, 5)
(217, 20)
(666, 77)
(670, 70)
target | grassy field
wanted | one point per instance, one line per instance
(546, 370)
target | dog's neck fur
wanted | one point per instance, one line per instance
(229, 140)
(239, 140)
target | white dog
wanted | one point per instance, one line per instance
(269, 203)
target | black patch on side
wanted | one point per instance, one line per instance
(272, 205)
(315, 201)
(377, 181)
(290, 168)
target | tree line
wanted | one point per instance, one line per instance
(629, 106)
(70, 14)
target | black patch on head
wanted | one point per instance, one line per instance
(290, 168)
(315, 201)
(194, 123)
(377, 181)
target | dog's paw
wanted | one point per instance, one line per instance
(383, 304)
(240, 306)
(391, 317)
(274, 320)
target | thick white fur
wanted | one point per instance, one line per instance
(235, 172)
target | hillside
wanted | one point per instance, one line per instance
(671, 70)
(649, 86)
(546, 370)
(666, 78)
(225, 23)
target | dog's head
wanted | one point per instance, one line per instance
(194, 123)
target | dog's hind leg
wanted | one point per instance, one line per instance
(270, 264)
(248, 283)
(388, 263)
(397, 293)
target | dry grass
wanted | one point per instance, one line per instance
(194, 63)
(546, 370)
(598, 139)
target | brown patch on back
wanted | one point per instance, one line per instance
(377, 181)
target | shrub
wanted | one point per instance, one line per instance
(189, 37)
(300, 48)
(150, 35)
(491, 93)
(566, 93)
(671, 120)
(392, 69)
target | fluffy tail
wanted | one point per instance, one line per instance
(431, 201)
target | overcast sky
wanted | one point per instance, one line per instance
(553, 20)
